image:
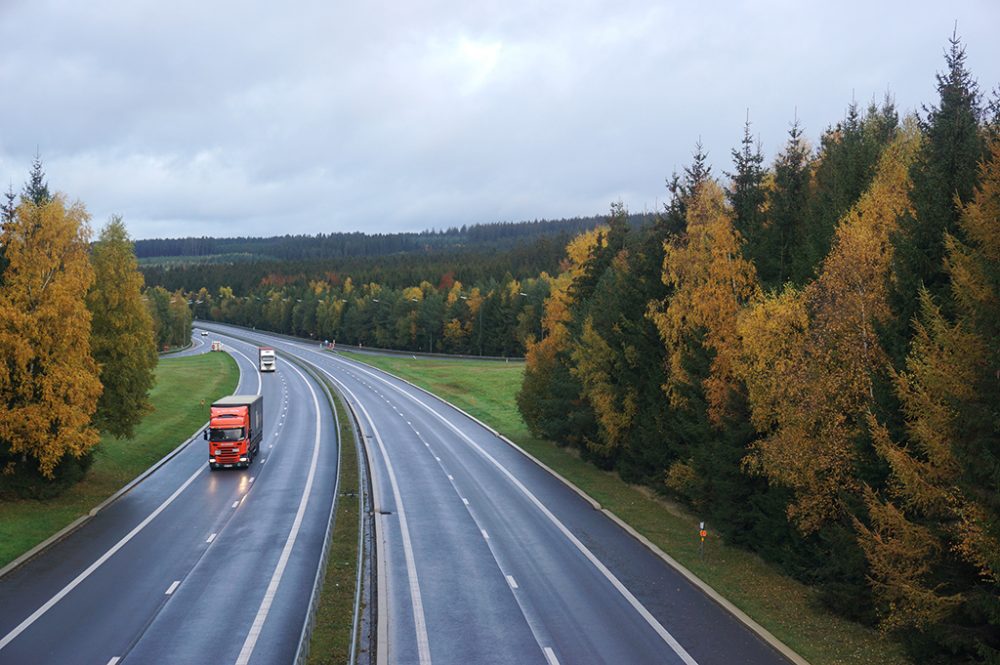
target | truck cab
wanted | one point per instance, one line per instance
(235, 430)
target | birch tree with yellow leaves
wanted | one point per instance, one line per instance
(49, 383)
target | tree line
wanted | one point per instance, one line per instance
(358, 244)
(77, 342)
(807, 354)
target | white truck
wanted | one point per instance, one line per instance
(266, 359)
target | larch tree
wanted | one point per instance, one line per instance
(711, 282)
(810, 357)
(121, 334)
(708, 282)
(934, 540)
(549, 399)
(49, 384)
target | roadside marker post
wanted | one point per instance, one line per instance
(701, 546)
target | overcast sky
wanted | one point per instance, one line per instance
(209, 117)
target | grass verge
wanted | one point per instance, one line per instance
(331, 636)
(785, 607)
(184, 389)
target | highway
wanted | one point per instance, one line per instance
(484, 557)
(191, 566)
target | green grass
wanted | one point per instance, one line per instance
(184, 389)
(785, 607)
(331, 637)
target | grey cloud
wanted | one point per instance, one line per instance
(219, 118)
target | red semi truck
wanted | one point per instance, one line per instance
(235, 430)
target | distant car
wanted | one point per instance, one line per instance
(204, 333)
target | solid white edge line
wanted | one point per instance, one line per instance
(172, 587)
(583, 549)
(279, 570)
(420, 623)
(114, 660)
(550, 656)
(9, 637)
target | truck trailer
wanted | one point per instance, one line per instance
(236, 428)
(266, 359)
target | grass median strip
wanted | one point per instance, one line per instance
(184, 389)
(487, 390)
(331, 636)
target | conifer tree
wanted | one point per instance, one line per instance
(934, 541)
(747, 196)
(787, 202)
(811, 356)
(36, 190)
(943, 178)
(49, 383)
(846, 163)
(7, 210)
(121, 333)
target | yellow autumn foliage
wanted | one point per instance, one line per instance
(49, 383)
(809, 358)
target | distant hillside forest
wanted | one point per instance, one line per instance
(501, 235)
(806, 353)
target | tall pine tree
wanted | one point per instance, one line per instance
(934, 543)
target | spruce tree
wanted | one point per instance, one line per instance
(942, 179)
(7, 211)
(746, 193)
(787, 206)
(36, 190)
(121, 336)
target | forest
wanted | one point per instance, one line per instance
(339, 245)
(807, 354)
(804, 352)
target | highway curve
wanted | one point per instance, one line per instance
(484, 557)
(191, 566)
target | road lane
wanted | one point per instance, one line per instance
(585, 591)
(215, 552)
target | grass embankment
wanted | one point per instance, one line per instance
(184, 389)
(331, 637)
(785, 607)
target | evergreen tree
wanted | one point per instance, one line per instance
(934, 543)
(747, 196)
(7, 211)
(846, 164)
(121, 336)
(36, 190)
(943, 177)
(782, 242)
